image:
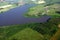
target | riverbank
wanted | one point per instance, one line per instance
(40, 10)
(7, 8)
(49, 28)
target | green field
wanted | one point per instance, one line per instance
(27, 34)
(41, 10)
(31, 31)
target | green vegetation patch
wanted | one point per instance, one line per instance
(27, 34)
(35, 11)
(2, 33)
(28, 31)
(41, 10)
(56, 36)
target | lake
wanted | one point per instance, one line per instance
(16, 16)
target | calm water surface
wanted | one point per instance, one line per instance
(15, 16)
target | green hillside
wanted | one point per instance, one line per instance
(27, 34)
(36, 31)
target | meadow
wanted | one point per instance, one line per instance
(31, 31)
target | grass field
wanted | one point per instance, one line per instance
(27, 34)
(40, 10)
(31, 31)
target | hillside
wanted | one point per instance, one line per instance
(27, 34)
(34, 30)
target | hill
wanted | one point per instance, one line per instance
(27, 34)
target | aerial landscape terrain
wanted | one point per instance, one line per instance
(29, 19)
